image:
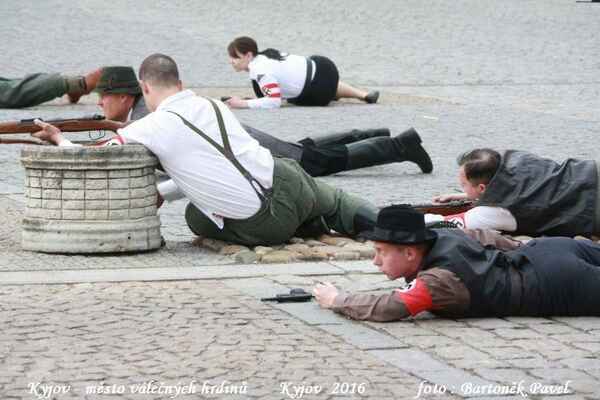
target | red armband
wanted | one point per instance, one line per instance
(458, 219)
(271, 90)
(415, 296)
(115, 140)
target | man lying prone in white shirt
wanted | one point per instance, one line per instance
(237, 191)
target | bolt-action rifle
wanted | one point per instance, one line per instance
(82, 124)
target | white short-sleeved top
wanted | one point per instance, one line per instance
(278, 79)
(197, 170)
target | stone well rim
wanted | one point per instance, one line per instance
(128, 156)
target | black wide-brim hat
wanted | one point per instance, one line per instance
(400, 224)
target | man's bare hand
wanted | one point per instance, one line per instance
(49, 132)
(446, 198)
(325, 294)
(443, 198)
(236, 102)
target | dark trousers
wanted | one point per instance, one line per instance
(325, 160)
(317, 161)
(562, 277)
(31, 90)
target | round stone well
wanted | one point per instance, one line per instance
(90, 199)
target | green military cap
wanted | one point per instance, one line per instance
(118, 79)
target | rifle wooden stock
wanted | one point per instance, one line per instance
(451, 208)
(85, 124)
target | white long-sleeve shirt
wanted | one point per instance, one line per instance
(480, 217)
(197, 170)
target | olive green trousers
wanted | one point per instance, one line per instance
(297, 198)
(31, 90)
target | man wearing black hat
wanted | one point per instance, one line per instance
(458, 273)
(121, 100)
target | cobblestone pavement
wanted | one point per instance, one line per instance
(120, 336)
(86, 336)
(463, 73)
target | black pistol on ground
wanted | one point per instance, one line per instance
(296, 295)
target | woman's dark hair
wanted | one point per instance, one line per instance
(245, 44)
(480, 165)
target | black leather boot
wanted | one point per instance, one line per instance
(383, 150)
(346, 137)
(413, 151)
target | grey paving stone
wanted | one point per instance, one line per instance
(549, 348)
(460, 352)
(582, 323)
(583, 337)
(593, 348)
(171, 273)
(364, 337)
(462, 332)
(580, 363)
(490, 323)
(428, 342)
(509, 353)
(578, 381)
(311, 313)
(257, 287)
(474, 365)
(519, 333)
(403, 329)
(363, 266)
(568, 397)
(507, 376)
(457, 381)
(518, 397)
(529, 320)
(411, 360)
(555, 329)
(449, 327)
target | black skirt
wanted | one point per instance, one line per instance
(323, 88)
